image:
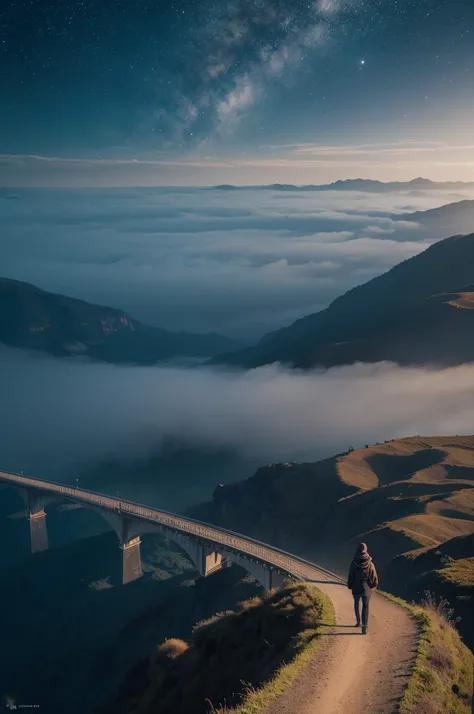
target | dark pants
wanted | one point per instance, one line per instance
(365, 608)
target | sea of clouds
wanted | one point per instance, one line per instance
(239, 262)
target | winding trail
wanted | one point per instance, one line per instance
(351, 673)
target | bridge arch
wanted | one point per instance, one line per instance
(209, 547)
(207, 558)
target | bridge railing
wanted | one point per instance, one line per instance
(268, 554)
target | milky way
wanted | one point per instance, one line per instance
(103, 75)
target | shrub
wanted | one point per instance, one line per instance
(171, 649)
(441, 607)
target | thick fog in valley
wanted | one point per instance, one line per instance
(59, 413)
(236, 262)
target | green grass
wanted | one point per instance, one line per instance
(442, 677)
(256, 701)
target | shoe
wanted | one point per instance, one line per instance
(364, 630)
(357, 624)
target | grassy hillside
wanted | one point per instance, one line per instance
(411, 500)
(237, 659)
(409, 315)
(446, 569)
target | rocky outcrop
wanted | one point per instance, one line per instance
(35, 319)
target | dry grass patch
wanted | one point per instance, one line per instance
(459, 572)
(430, 529)
(442, 679)
(459, 504)
(170, 649)
(463, 300)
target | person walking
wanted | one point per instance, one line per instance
(362, 581)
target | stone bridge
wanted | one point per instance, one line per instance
(209, 548)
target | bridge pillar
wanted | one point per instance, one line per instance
(131, 558)
(210, 561)
(204, 557)
(37, 519)
(132, 561)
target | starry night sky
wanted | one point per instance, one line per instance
(142, 80)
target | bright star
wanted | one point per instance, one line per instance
(362, 61)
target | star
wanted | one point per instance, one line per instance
(235, 57)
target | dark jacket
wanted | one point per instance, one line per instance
(362, 575)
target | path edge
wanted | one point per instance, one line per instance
(257, 701)
(423, 679)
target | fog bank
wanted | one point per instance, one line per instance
(58, 413)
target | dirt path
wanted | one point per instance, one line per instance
(353, 673)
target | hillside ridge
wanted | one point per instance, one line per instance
(398, 316)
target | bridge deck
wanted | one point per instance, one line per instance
(281, 560)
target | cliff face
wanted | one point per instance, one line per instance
(411, 500)
(37, 319)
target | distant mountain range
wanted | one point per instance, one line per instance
(420, 312)
(359, 184)
(35, 319)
